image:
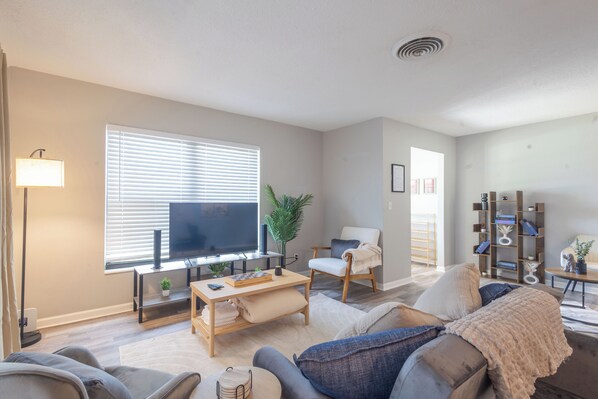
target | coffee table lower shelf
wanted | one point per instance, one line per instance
(200, 291)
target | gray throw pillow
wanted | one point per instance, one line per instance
(98, 383)
(388, 316)
(337, 247)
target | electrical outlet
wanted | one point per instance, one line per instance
(296, 256)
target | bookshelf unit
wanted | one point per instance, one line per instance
(523, 245)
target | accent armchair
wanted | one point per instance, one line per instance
(340, 268)
(74, 373)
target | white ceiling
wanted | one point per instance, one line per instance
(324, 64)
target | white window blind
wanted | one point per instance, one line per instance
(146, 170)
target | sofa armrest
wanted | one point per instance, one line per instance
(447, 367)
(577, 374)
(80, 354)
(294, 384)
(30, 381)
(179, 387)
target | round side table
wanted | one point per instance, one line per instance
(265, 385)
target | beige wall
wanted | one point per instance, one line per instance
(65, 266)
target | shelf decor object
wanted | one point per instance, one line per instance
(505, 258)
(34, 172)
(397, 178)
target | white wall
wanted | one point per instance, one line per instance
(65, 266)
(398, 140)
(352, 177)
(554, 162)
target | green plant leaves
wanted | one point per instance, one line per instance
(285, 220)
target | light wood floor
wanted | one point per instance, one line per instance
(104, 335)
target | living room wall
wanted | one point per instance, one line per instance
(398, 139)
(357, 177)
(65, 252)
(553, 162)
(352, 177)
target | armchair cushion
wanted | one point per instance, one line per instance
(337, 247)
(362, 367)
(98, 383)
(336, 267)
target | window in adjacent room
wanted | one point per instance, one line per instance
(146, 170)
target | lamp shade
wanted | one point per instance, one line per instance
(39, 172)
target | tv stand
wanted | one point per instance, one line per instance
(141, 301)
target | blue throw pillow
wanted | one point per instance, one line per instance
(364, 366)
(494, 291)
(337, 247)
(98, 383)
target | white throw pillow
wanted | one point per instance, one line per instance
(455, 295)
(388, 316)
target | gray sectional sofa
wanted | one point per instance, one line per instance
(449, 367)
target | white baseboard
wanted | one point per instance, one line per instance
(83, 315)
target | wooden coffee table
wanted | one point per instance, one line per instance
(591, 278)
(200, 289)
(265, 385)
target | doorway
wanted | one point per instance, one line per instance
(427, 211)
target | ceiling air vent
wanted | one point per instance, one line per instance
(421, 46)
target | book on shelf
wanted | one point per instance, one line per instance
(529, 228)
(481, 249)
(501, 221)
(506, 265)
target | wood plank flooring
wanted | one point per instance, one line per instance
(104, 335)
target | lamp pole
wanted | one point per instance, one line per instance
(33, 336)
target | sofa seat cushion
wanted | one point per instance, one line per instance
(388, 316)
(140, 383)
(98, 383)
(455, 295)
(334, 266)
(362, 367)
(270, 305)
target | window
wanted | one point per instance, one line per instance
(146, 170)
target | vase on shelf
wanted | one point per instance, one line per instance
(581, 267)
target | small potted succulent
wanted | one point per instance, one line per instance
(217, 269)
(165, 284)
(582, 249)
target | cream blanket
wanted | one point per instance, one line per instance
(365, 257)
(521, 336)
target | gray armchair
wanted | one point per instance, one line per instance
(74, 373)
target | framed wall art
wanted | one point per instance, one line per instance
(398, 178)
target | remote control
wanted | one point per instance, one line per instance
(215, 286)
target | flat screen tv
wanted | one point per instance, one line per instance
(207, 229)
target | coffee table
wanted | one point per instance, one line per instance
(200, 289)
(591, 278)
(265, 385)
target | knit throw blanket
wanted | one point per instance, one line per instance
(521, 336)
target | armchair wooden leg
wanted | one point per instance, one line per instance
(312, 273)
(346, 289)
(373, 279)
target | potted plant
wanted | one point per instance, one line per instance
(217, 269)
(285, 220)
(582, 249)
(165, 284)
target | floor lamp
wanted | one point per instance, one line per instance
(34, 172)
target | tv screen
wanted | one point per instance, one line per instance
(205, 229)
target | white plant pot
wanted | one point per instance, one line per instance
(165, 292)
